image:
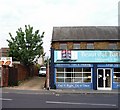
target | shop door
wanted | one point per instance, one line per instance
(104, 79)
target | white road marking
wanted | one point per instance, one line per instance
(53, 102)
(5, 92)
(6, 99)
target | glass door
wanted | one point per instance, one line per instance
(104, 79)
(108, 78)
(100, 78)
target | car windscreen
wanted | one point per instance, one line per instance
(43, 69)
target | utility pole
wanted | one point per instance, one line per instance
(47, 75)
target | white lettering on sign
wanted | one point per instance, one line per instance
(86, 54)
(102, 54)
(90, 56)
(115, 54)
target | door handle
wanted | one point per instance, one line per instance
(104, 78)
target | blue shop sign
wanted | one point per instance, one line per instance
(116, 85)
(74, 85)
(73, 65)
(109, 65)
(91, 56)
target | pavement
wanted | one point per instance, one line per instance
(57, 91)
(78, 91)
(35, 85)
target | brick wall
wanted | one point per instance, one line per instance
(118, 45)
(56, 45)
(70, 45)
(101, 45)
(83, 45)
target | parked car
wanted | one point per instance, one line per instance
(42, 71)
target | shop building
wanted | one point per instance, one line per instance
(86, 57)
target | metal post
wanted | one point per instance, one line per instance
(48, 75)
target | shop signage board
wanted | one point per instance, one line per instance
(91, 56)
(6, 61)
(73, 65)
(74, 85)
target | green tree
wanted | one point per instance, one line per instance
(26, 46)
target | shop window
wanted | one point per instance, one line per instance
(59, 74)
(116, 75)
(87, 75)
(59, 79)
(90, 46)
(86, 69)
(86, 79)
(67, 79)
(60, 69)
(77, 70)
(63, 46)
(117, 70)
(69, 72)
(78, 79)
(76, 46)
(76, 75)
(69, 75)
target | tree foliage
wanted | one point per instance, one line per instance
(26, 46)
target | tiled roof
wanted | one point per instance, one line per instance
(85, 33)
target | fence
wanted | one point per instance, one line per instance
(11, 76)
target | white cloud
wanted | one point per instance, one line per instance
(44, 14)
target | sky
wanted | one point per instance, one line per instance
(43, 15)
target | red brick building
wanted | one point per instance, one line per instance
(85, 57)
(4, 52)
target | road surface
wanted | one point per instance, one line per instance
(24, 100)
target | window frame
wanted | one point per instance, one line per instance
(63, 45)
(72, 76)
(112, 44)
(91, 45)
(76, 45)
